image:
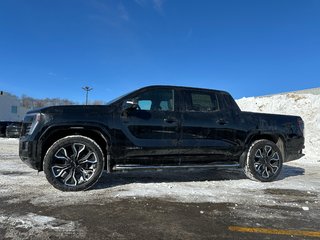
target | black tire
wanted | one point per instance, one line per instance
(264, 161)
(73, 163)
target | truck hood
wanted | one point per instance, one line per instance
(77, 109)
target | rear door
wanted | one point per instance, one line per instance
(205, 129)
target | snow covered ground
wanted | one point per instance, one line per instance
(297, 187)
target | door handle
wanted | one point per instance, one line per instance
(221, 121)
(170, 120)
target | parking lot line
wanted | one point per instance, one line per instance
(275, 231)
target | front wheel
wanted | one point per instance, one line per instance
(264, 161)
(73, 163)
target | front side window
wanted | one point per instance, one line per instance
(156, 100)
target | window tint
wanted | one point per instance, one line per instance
(229, 102)
(201, 102)
(156, 100)
(145, 104)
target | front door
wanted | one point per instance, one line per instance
(152, 127)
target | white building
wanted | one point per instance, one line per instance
(10, 108)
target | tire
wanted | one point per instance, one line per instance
(73, 163)
(264, 161)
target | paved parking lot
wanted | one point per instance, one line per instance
(200, 204)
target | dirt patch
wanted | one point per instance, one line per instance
(290, 192)
(13, 173)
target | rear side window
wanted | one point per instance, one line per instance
(228, 102)
(201, 102)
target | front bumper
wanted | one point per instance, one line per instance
(27, 153)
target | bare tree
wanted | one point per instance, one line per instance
(29, 102)
(97, 102)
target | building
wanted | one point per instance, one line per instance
(10, 108)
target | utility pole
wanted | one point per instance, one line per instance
(87, 89)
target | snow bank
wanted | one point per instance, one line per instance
(305, 105)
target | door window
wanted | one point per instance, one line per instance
(201, 102)
(156, 100)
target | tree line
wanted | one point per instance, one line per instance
(31, 103)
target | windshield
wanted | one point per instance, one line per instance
(118, 98)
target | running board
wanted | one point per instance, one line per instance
(133, 167)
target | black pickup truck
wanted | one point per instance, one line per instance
(157, 127)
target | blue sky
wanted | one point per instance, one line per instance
(248, 47)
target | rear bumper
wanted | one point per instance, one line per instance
(294, 148)
(294, 156)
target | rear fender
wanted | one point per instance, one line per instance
(277, 139)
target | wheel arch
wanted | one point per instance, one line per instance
(275, 138)
(53, 133)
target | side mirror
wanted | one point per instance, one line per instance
(130, 105)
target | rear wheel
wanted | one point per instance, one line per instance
(264, 161)
(73, 163)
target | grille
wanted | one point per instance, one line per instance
(26, 128)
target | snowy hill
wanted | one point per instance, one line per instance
(305, 105)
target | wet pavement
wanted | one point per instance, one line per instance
(156, 219)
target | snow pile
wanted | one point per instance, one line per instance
(306, 106)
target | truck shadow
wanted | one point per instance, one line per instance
(290, 171)
(197, 175)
